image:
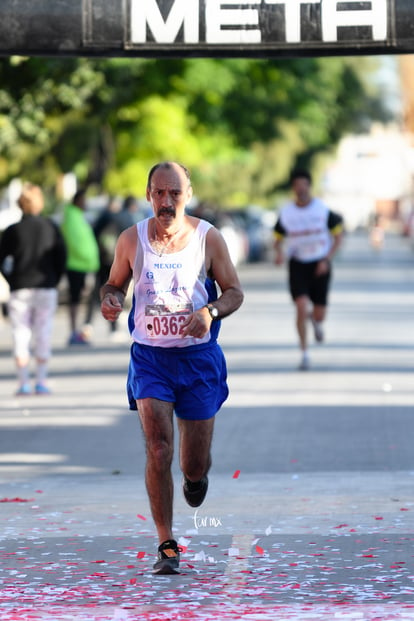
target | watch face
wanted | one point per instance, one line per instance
(213, 311)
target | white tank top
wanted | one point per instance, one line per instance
(308, 236)
(167, 289)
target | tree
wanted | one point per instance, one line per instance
(39, 99)
(240, 124)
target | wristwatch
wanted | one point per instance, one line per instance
(213, 311)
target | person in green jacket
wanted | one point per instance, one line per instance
(82, 259)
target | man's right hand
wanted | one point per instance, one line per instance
(111, 307)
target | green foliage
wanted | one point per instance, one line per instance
(38, 100)
(239, 124)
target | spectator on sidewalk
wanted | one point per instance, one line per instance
(32, 260)
(107, 228)
(82, 259)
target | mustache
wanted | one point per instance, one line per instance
(166, 211)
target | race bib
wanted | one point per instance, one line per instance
(162, 321)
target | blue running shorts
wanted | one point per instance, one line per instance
(193, 378)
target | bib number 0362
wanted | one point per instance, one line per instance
(164, 325)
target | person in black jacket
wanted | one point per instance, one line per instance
(32, 259)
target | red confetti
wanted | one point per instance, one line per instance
(141, 554)
(236, 474)
(259, 550)
(132, 581)
(16, 499)
(341, 526)
(377, 517)
(141, 517)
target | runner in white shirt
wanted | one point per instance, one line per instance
(176, 364)
(312, 235)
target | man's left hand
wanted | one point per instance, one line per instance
(197, 324)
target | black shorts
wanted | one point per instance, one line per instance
(76, 282)
(302, 281)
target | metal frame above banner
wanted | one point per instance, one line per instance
(206, 28)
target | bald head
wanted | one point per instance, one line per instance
(168, 166)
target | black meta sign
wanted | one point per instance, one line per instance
(205, 27)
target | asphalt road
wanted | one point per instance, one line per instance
(310, 509)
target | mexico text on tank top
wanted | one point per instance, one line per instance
(167, 289)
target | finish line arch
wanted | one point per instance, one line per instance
(206, 28)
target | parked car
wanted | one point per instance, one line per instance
(258, 224)
(248, 231)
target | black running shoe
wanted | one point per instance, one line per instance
(168, 558)
(194, 493)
